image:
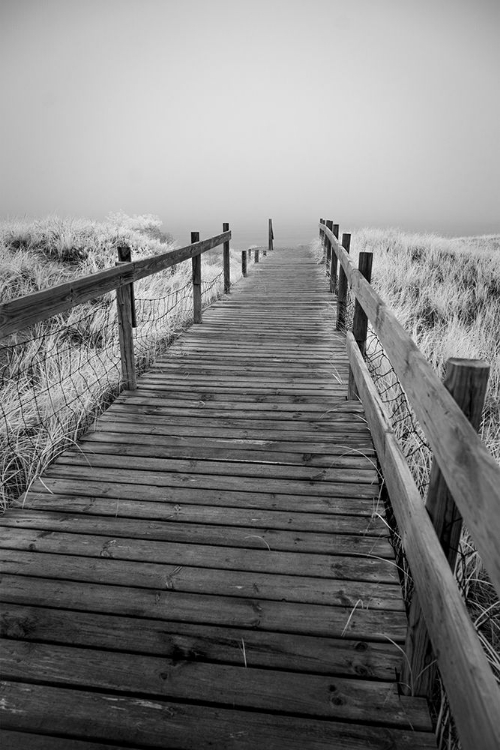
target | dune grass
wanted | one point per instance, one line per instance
(58, 375)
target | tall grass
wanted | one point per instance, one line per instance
(446, 293)
(58, 375)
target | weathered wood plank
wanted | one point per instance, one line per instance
(101, 717)
(252, 537)
(176, 606)
(296, 694)
(202, 643)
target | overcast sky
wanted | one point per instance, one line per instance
(368, 112)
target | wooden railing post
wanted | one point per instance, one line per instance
(196, 264)
(321, 234)
(256, 254)
(342, 293)
(360, 320)
(335, 230)
(329, 224)
(244, 262)
(249, 254)
(125, 307)
(271, 236)
(467, 381)
(226, 262)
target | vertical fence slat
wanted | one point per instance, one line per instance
(360, 320)
(125, 308)
(226, 262)
(467, 381)
(196, 265)
(244, 262)
(328, 245)
(342, 293)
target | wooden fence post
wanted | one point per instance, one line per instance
(342, 293)
(360, 320)
(125, 307)
(335, 230)
(249, 254)
(271, 236)
(467, 381)
(196, 264)
(321, 235)
(244, 262)
(226, 262)
(256, 254)
(329, 224)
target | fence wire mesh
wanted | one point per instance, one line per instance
(59, 375)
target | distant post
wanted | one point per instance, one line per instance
(226, 262)
(196, 265)
(125, 306)
(342, 293)
(321, 234)
(271, 236)
(360, 320)
(329, 224)
(244, 262)
(256, 254)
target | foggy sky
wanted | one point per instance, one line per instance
(368, 112)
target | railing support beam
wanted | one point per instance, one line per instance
(196, 266)
(342, 293)
(125, 308)
(226, 262)
(360, 321)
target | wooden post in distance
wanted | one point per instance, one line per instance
(329, 224)
(342, 293)
(256, 254)
(244, 262)
(125, 308)
(360, 320)
(196, 265)
(271, 236)
(226, 262)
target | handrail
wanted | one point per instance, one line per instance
(470, 471)
(33, 308)
(469, 681)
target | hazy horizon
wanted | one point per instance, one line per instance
(371, 114)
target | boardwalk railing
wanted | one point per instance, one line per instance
(465, 482)
(33, 308)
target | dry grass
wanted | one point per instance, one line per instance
(57, 376)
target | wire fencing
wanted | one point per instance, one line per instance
(59, 375)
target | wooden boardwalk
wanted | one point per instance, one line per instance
(211, 568)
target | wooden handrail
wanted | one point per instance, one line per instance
(470, 471)
(469, 681)
(33, 308)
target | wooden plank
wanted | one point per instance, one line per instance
(29, 741)
(79, 468)
(146, 501)
(369, 548)
(160, 723)
(296, 694)
(197, 556)
(261, 451)
(176, 606)
(460, 656)
(203, 643)
(112, 457)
